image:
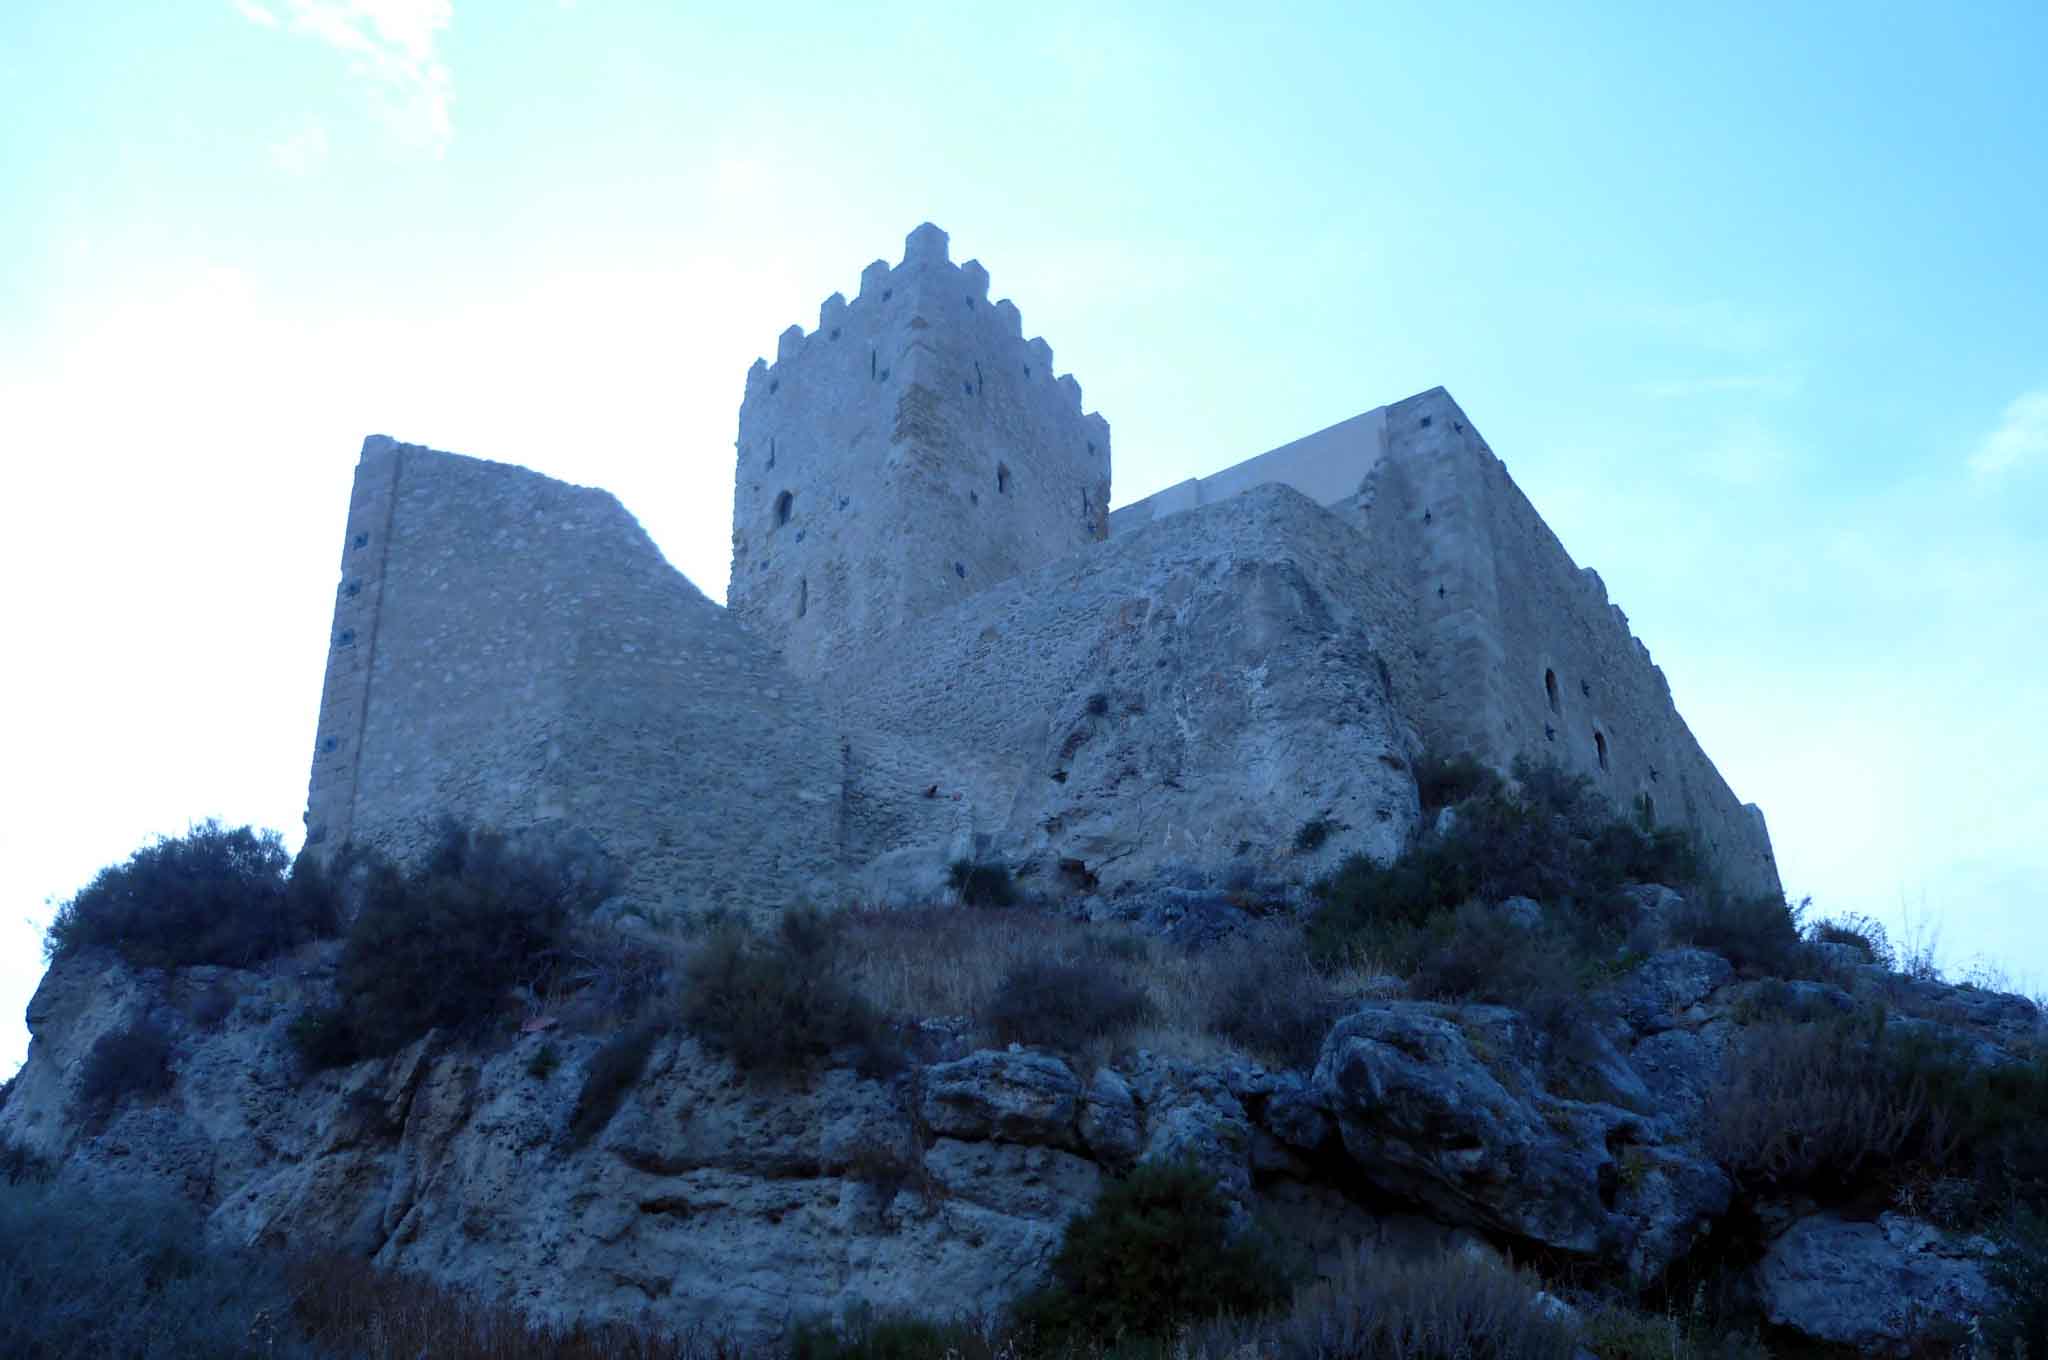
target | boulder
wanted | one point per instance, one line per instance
(1875, 1286)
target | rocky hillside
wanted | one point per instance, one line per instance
(1666, 1103)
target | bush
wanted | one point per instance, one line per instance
(124, 1065)
(1760, 935)
(1269, 1001)
(1064, 1005)
(19, 1163)
(1845, 1105)
(110, 1276)
(982, 885)
(1553, 839)
(443, 947)
(1313, 833)
(2020, 1271)
(780, 1006)
(1472, 954)
(1154, 1251)
(211, 896)
(1443, 781)
(612, 1072)
(1374, 1307)
(867, 1335)
(1860, 932)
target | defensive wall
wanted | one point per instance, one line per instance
(1517, 650)
(909, 453)
(515, 651)
(920, 504)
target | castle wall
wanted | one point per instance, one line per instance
(911, 452)
(518, 653)
(1511, 649)
(1193, 692)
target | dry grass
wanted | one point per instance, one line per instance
(946, 962)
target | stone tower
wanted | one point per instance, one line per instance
(913, 450)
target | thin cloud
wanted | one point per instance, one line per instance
(2020, 437)
(392, 49)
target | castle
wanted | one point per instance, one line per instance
(941, 644)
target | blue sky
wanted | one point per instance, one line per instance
(1752, 299)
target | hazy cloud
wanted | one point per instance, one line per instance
(2021, 436)
(392, 47)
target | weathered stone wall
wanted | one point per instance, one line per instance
(527, 658)
(1191, 693)
(1512, 649)
(1525, 653)
(911, 452)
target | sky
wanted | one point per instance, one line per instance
(1751, 298)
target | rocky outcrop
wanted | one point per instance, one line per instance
(1875, 1286)
(712, 1197)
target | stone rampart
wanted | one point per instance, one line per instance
(909, 453)
(518, 654)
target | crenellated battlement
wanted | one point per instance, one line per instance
(913, 449)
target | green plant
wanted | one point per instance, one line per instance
(781, 1005)
(211, 896)
(1064, 1004)
(2020, 1272)
(1858, 931)
(612, 1072)
(1153, 1252)
(19, 1163)
(544, 1061)
(982, 884)
(443, 947)
(1456, 1306)
(1442, 781)
(1761, 936)
(865, 1334)
(124, 1065)
(1270, 1001)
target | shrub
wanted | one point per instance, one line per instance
(1443, 781)
(1471, 954)
(612, 1072)
(211, 896)
(1859, 931)
(19, 1163)
(1270, 1001)
(1064, 1005)
(443, 947)
(1154, 1251)
(124, 1064)
(2020, 1272)
(1374, 1307)
(982, 885)
(780, 1006)
(544, 1061)
(864, 1334)
(112, 1276)
(1760, 935)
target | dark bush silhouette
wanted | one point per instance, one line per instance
(443, 947)
(780, 1006)
(866, 1335)
(1154, 1251)
(1761, 936)
(1268, 1002)
(1553, 839)
(124, 1065)
(211, 896)
(1443, 781)
(613, 1071)
(1064, 1005)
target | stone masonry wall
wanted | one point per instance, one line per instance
(1523, 652)
(519, 654)
(911, 452)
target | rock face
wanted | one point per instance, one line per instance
(709, 1196)
(1875, 1286)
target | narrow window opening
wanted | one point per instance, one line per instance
(782, 504)
(1003, 479)
(1600, 748)
(979, 382)
(960, 570)
(1550, 688)
(871, 363)
(803, 596)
